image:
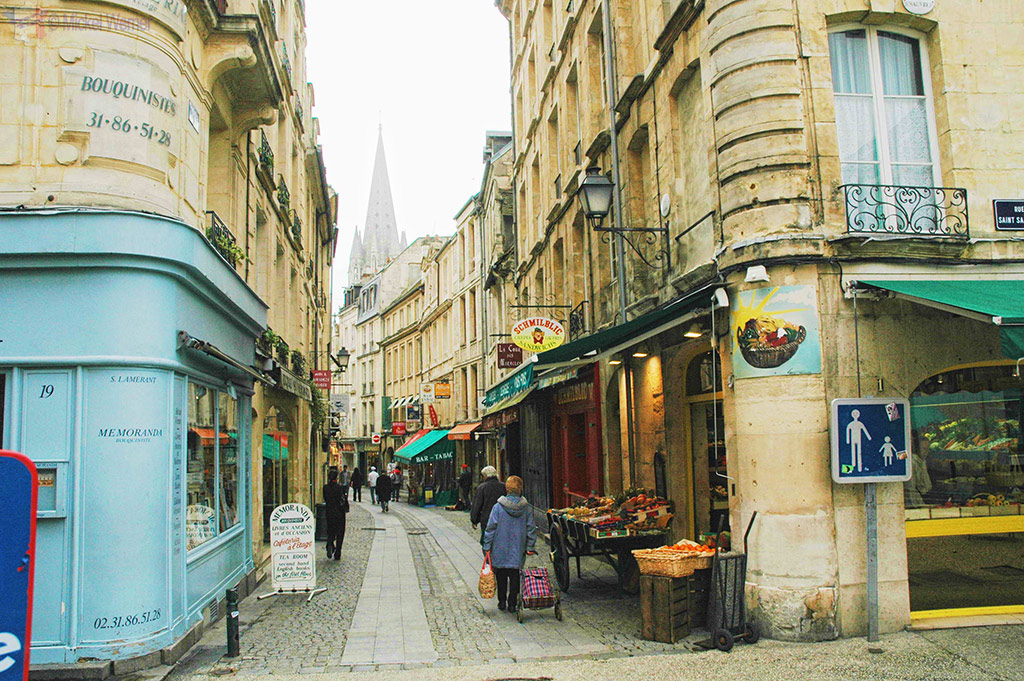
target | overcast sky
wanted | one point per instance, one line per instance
(436, 75)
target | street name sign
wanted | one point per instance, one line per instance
(870, 440)
(18, 493)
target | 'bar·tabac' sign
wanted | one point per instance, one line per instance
(1009, 214)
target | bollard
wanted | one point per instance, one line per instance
(232, 622)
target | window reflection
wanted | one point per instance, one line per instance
(202, 467)
(229, 447)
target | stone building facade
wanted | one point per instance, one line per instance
(164, 196)
(780, 155)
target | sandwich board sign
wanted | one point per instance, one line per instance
(19, 487)
(870, 440)
(292, 551)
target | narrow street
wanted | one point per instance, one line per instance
(403, 598)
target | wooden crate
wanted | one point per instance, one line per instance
(671, 606)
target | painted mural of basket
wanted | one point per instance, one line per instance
(769, 358)
(662, 564)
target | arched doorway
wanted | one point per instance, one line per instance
(963, 504)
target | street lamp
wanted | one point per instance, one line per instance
(595, 195)
(341, 359)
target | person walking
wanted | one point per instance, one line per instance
(336, 501)
(487, 494)
(396, 483)
(384, 492)
(371, 482)
(356, 483)
(509, 536)
(465, 486)
(343, 480)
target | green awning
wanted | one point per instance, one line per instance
(599, 342)
(509, 402)
(434, 446)
(997, 301)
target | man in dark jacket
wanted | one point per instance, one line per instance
(487, 495)
(384, 492)
(465, 486)
(336, 500)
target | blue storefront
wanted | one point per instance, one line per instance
(126, 345)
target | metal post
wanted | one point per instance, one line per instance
(871, 515)
(232, 622)
(609, 64)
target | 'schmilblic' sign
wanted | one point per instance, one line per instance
(538, 334)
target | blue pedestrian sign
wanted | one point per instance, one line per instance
(18, 489)
(870, 440)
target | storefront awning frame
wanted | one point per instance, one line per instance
(992, 301)
(464, 431)
(434, 446)
(604, 344)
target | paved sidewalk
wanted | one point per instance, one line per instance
(389, 626)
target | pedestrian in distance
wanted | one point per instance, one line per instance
(336, 501)
(384, 492)
(343, 481)
(465, 486)
(487, 495)
(356, 483)
(509, 536)
(396, 483)
(371, 482)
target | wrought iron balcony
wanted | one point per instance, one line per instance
(266, 154)
(286, 62)
(222, 239)
(284, 198)
(910, 211)
(578, 321)
(296, 226)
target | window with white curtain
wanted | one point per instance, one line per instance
(884, 116)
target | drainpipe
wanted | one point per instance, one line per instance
(609, 60)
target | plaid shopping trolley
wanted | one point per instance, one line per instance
(536, 592)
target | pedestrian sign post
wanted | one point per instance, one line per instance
(870, 440)
(19, 486)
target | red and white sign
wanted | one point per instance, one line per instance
(322, 379)
(434, 421)
(398, 427)
(375, 438)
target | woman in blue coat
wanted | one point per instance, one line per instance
(509, 536)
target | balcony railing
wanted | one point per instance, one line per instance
(284, 198)
(296, 226)
(222, 239)
(286, 62)
(578, 321)
(266, 154)
(910, 211)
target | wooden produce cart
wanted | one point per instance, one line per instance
(571, 538)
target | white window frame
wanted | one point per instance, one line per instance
(878, 98)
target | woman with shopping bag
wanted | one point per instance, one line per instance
(510, 535)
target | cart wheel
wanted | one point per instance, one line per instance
(723, 640)
(558, 610)
(560, 557)
(629, 574)
(519, 612)
(751, 634)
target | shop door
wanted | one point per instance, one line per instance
(575, 449)
(512, 462)
(46, 410)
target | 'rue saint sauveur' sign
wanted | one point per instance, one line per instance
(538, 334)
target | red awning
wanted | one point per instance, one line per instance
(412, 439)
(206, 436)
(463, 431)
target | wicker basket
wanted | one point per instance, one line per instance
(661, 564)
(769, 358)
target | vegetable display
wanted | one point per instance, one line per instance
(640, 512)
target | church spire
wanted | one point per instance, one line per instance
(380, 239)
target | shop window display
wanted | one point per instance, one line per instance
(707, 436)
(229, 448)
(967, 449)
(276, 442)
(965, 547)
(201, 513)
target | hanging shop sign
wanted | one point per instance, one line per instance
(870, 440)
(322, 379)
(538, 334)
(413, 426)
(426, 392)
(1009, 215)
(443, 391)
(434, 421)
(18, 489)
(919, 6)
(385, 420)
(510, 356)
(398, 428)
(292, 548)
(775, 332)
(413, 412)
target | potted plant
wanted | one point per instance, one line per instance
(283, 352)
(298, 362)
